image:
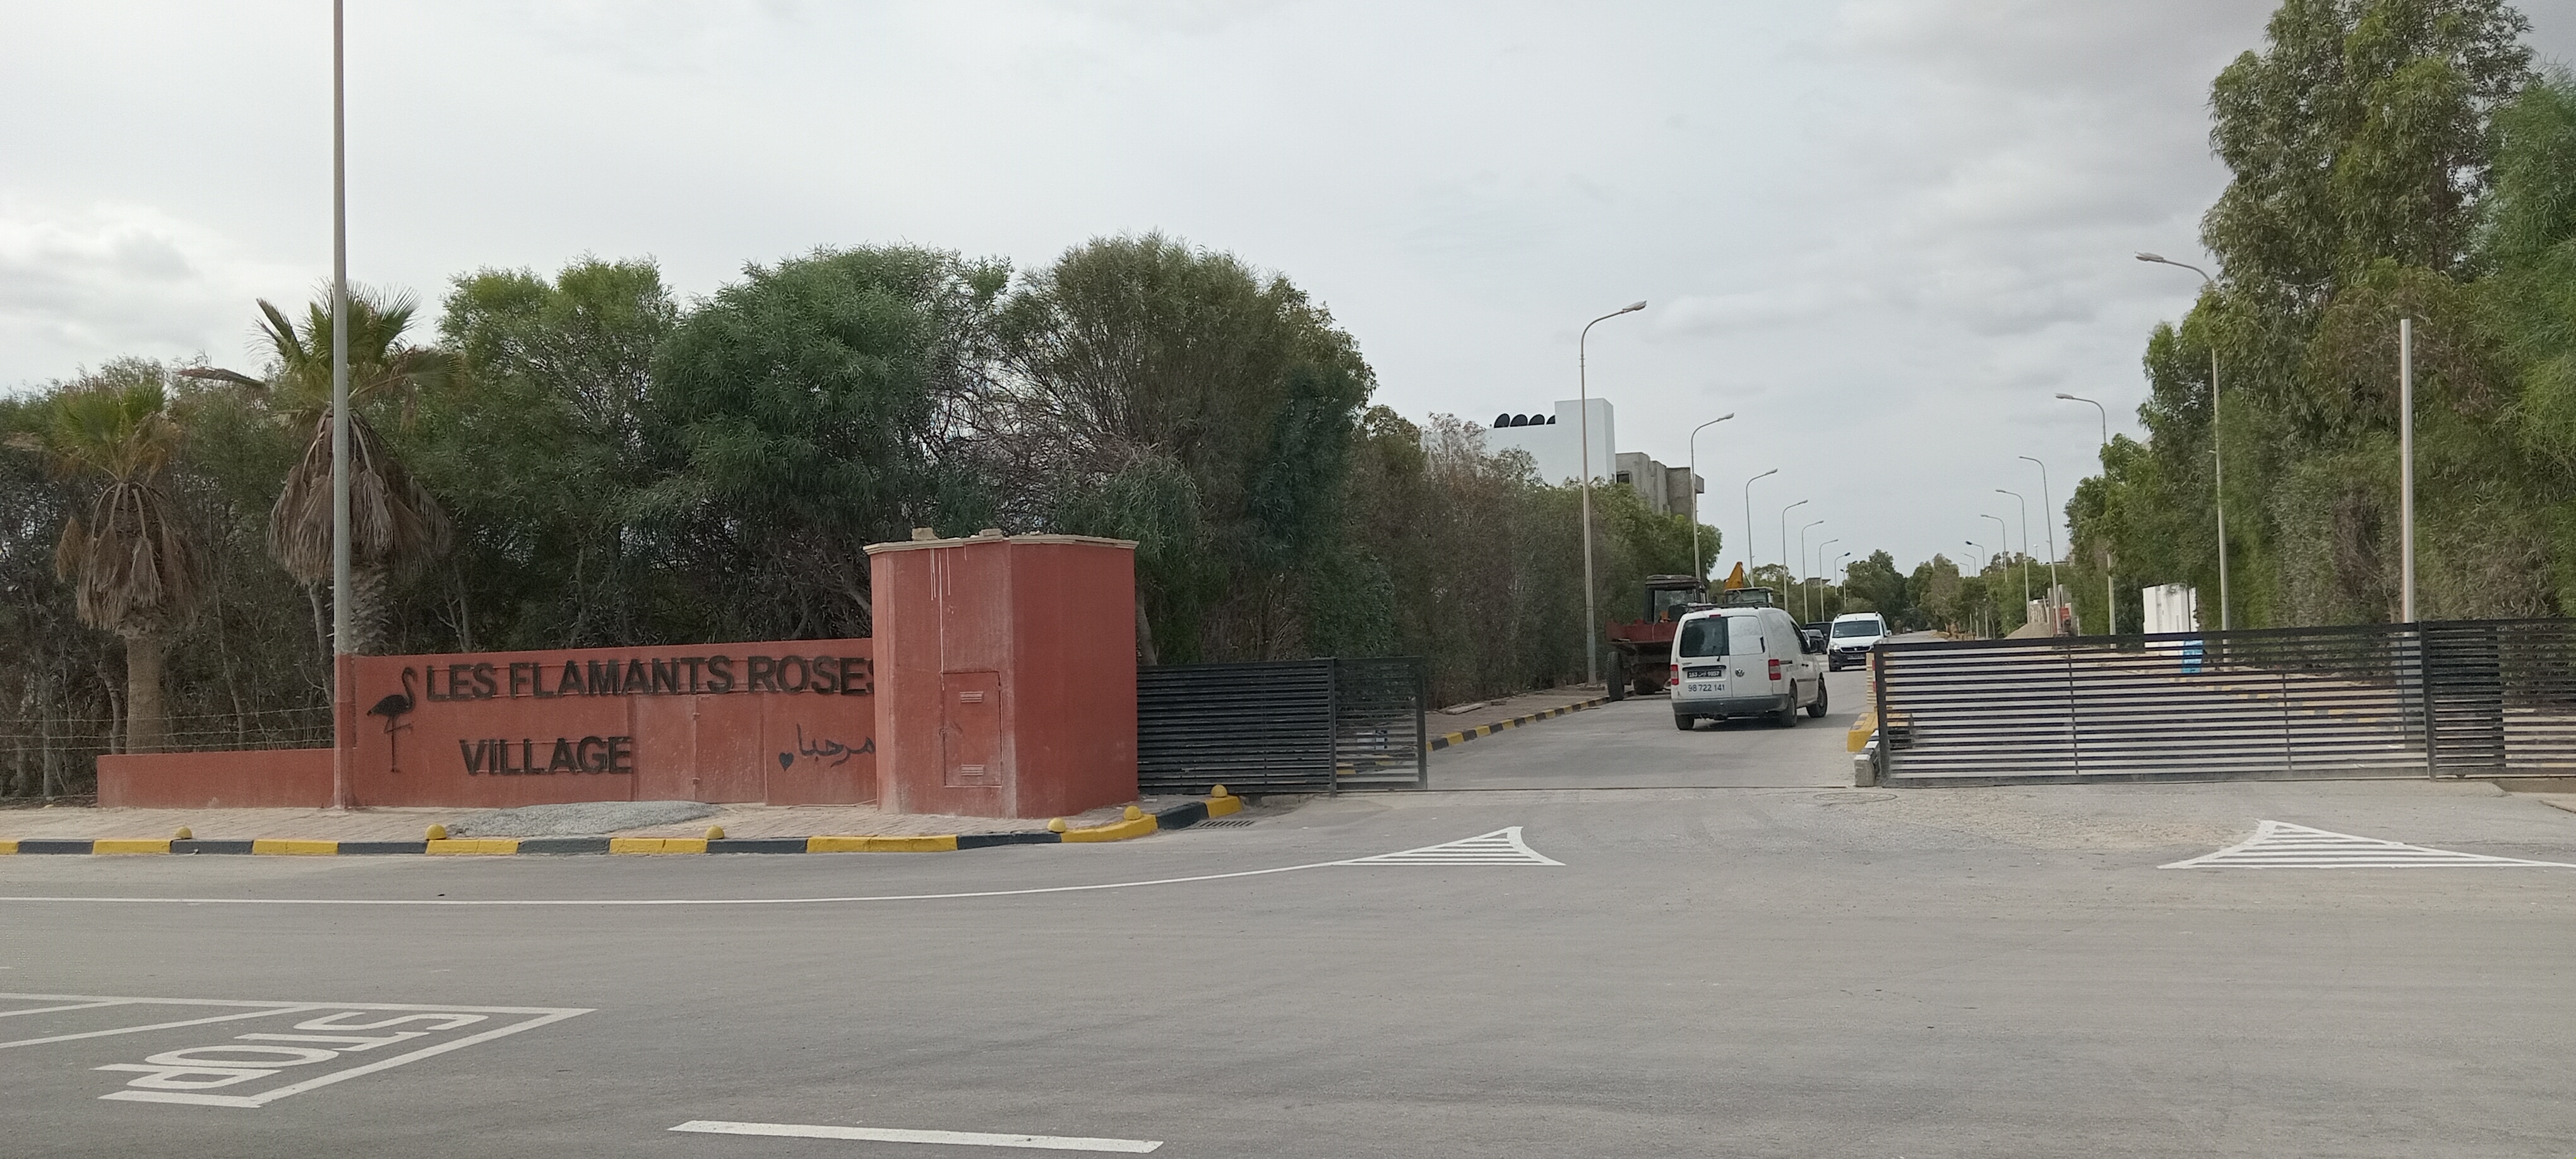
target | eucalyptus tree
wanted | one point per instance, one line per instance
(815, 407)
(1132, 356)
(396, 527)
(135, 568)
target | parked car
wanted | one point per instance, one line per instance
(1744, 662)
(1819, 634)
(1853, 636)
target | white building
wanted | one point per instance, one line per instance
(1555, 444)
(1557, 447)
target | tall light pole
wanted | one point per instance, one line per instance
(1980, 626)
(344, 697)
(1821, 549)
(1748, 520)
(2406, 468)
(2048, 514)
(1583, 432)
(2003, 535)
(1697, 568)
(2025, 545)
(2110, 590)
(2218, 460)
(1784, 536)
(1806, 605)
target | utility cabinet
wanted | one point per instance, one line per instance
(1006, 674)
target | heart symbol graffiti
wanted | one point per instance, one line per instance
(786, 759)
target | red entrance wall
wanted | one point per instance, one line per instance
(240, 779)
(1010, 674)
(789, 723)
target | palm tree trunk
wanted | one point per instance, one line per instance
(147, 721)
(370, 601)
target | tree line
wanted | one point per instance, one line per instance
(2390, 159)
(585, 460)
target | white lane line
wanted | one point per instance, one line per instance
(264, 1013)
(1500, 847)
(897, 1135)
(2281, 845)
(60, 1009)
(1513, 832)
(272, 1095)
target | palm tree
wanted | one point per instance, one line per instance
(134, 568)
(396, 528)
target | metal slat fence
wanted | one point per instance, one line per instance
(2283, 703)
(1284, 726)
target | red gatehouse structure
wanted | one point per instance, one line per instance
(1001, 683)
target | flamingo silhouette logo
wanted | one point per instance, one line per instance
(394, 707)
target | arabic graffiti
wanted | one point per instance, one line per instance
(817, 751)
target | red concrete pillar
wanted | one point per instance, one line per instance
(1006, 674)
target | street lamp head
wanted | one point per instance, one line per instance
(2069, 397)
(1765, 474)
(1723, 417)
(1633, 307)
(2144, 256)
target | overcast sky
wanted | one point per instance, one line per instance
(1882, 232)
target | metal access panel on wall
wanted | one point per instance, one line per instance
(970, 730)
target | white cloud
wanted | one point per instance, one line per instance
(1907, 221)
(83, 285)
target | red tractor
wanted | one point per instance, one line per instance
(1641, 649)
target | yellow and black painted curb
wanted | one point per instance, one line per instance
(1458, 738)
(1138, 823)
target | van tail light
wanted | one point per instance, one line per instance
(1677, 675)
(1775, 668)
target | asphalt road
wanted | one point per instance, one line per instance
(1790, 971)
(1633, 744)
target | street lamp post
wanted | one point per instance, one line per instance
(344, 696)
(1806, 606)
(1697, 568)
(2025, 545)
(1821, 549)
(1784, 536)
(1748, 520)
(2110, 592)
(2003, 535)
(2218, 460)
(2048, 515)
(1979, 627)
(1583, 432)
(2406, 469)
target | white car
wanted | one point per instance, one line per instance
(1743, 662)
(1853, 636)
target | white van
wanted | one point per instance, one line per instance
(1854, 635)
(1744, 662)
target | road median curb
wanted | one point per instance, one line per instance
(1142, 824)
(1458, 738)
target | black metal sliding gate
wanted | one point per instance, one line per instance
(2479, 698)
(1283, 726)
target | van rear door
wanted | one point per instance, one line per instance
(1722, 656)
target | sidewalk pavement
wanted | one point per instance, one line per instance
(407, 824)
(1486, 712)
